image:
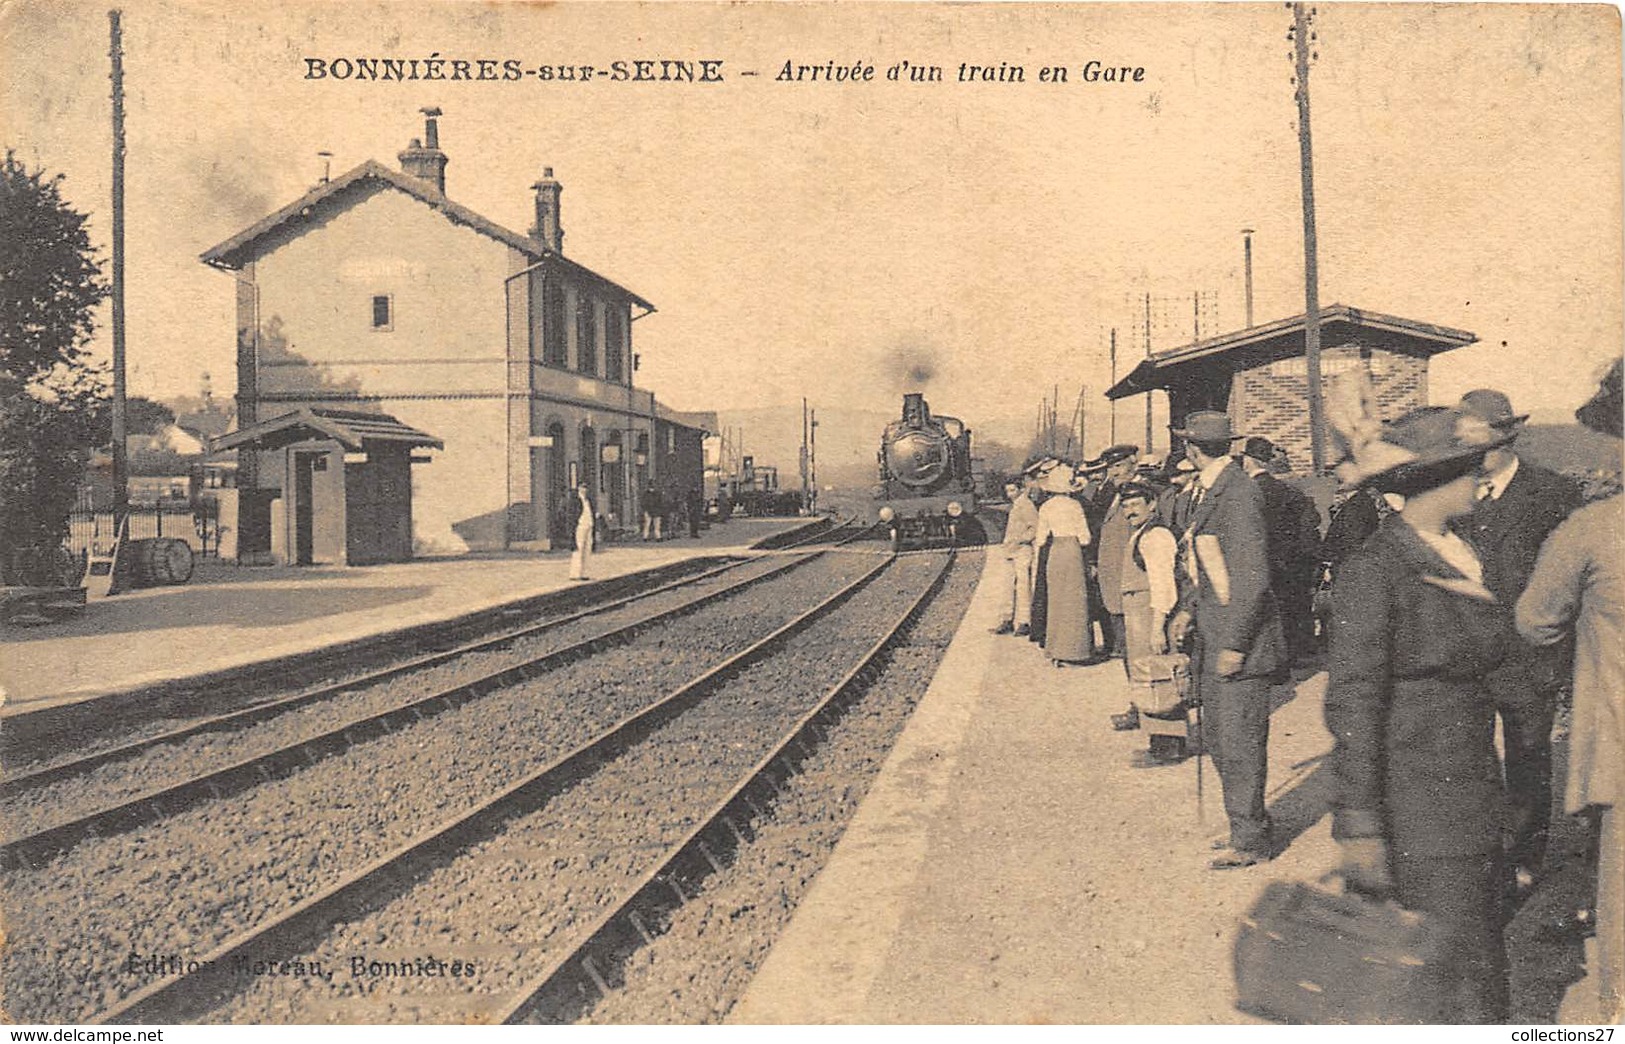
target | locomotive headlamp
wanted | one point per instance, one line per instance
(887, 514)
(955, 509)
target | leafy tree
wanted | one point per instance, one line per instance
(50, 285)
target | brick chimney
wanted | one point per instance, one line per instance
(423, 159)
(547, 227)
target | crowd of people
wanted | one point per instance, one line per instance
(1455, 590)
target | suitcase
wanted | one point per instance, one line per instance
(1307, 954)
(1161, 682)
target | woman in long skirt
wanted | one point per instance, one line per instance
(1063, 529)
(1040, 602)
(581, 560)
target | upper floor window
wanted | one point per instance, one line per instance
(383, 312)
(554, 350)
(614, 343)
(586, 335)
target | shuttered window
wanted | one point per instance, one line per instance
(586, 335)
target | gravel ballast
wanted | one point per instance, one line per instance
(180, 886)
(524, 896)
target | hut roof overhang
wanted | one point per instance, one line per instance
(1284, 339)
(351, 429)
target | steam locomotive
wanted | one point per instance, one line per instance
(927, 494)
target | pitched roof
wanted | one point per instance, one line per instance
(350, 428)
(699, 420)
(1284, 338)
(243, 246)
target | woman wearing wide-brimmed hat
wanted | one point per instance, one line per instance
(1418, 803)
(1064, 530)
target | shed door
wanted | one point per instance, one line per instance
(378, 508)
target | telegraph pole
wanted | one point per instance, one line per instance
(1302, 38)
(1148, 394)
(1247, 269)
(1113, 424)
(121, 467)
(812, 453)
(806, 502)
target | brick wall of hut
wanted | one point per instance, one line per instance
(1272, 399)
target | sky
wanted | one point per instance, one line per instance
(844, 241)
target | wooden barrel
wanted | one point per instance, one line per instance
(161, 561)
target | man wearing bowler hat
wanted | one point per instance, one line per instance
(1114, 532)
(1294, 543)
(1229, 610)
(1518, 505)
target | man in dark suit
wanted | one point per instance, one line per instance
(1111, 532)
(1238, 649)
(1518, 505)
(1294, 544)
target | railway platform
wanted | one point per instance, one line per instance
(233, 616)
(1011, 864)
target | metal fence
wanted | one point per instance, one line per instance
(90, 525)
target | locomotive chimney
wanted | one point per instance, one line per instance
(423, 159)
(547, 227)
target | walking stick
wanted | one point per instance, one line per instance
(1201, 749)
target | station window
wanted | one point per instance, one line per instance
(586, 335)
(383, 312)
(554, 352)
(614, 343)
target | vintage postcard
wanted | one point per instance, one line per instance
(805, 513)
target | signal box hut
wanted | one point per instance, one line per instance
(336, 486)
(1260, 375)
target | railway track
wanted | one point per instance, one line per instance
(198, 875)
(115, 720)
(134, 801)
(652, 728)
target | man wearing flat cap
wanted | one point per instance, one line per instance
(1114, 530)
(1519, 504)
(1294, 544)
(1238, 649)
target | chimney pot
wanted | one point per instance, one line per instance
(425, 161)
(548, 228)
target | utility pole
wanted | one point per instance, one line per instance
(812, 454)
(806, 430)
(1247, 268)
(1147, 355)
(1148, 394)
(1054, 418)
(121, 465)
(1112, 425)
(1302, 38)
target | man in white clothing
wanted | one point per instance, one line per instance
(1015, 561)
(1148, 585)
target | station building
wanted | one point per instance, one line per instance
(414, 378)
(1260, 375)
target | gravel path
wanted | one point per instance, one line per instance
(516, 900)
(173, 763)
(181, 886)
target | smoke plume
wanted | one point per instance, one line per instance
(909, 366)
